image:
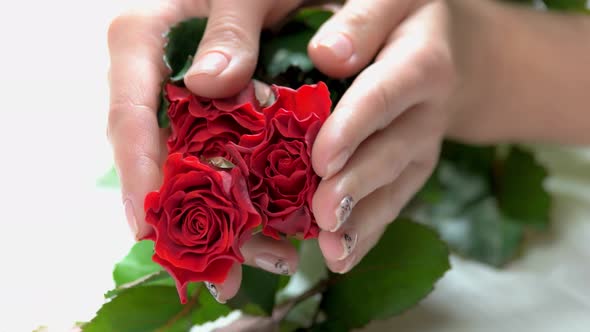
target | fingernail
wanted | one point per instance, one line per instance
(130, 215)
(348, 265)
(339, 45)
(343, 212)
(272, 264)
(337, 163)
(214, 291)
(348, 241)
(211, 64)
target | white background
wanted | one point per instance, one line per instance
(60, 236)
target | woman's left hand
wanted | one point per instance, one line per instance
(382, 141)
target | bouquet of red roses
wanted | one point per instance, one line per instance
(233, 167)
(237, 167)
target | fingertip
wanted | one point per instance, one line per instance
(216, 74)
(228, 289)
(333, 53)
(209, 64)
(274, 256)
(332, 150)
(342, 266)
(330, 245)
(136, 220)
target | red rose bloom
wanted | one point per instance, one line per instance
(201, 217)
(202, 127)
(281, 178)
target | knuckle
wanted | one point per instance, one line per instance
(121, 25)
(119, 110)
(360, 19)
(435, 63)
(350, 186)
(381, 101)
(393, 201)
(430, 159)
(228, 31)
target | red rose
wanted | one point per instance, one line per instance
(202, 127)
(201, 217)
(281, 178)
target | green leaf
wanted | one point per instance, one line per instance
(400, 271)
(163, 120)
(521, 194)
(468, 216)
(470, 158)
(209, 309)
(284, 51)
(481, 232)
(288, 47)
(156, 308)
(180, 75)
(141, 309)
(257, 292)
(109, 180)
(431, 191)
(313, 18)
(577, 5)
(145, 280)
(137, 264)
(182, 43)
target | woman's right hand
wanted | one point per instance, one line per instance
(223, 65)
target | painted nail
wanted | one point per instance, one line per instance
(211, 64)
(348, 266)
(213, 290)
(339, 45)
(337, 163)
(130, 215)
(348, 241)
(343, 211)
(272, 264)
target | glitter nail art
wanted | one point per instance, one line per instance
(343, 211)
(282, 267)
(348, 243)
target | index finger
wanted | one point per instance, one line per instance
(136, 46)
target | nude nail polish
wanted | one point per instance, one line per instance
(348, 241)
(343, 211)
(130, 215)
(214, 291)
(210, 64)
(339, 44)
(272, 264)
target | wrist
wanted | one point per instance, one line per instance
(478, 36)
(522, 75)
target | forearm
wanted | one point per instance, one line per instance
(524, 75)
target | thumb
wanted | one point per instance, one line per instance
(226, 57)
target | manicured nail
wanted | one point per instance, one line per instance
(130, 215)
(339, 45)
(211, 64)
(348, 266)
(337, 163)
(343, 211)
(348, 241)
(213, 290)
(272, 264)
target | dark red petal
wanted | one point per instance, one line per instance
(176, 93)
(216, 272)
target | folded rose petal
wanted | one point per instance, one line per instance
(202, 127)
(201, 217)
(278, 160)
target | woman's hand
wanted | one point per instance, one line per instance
(223, 65)
(382, 141)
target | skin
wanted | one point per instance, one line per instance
(455, 68)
